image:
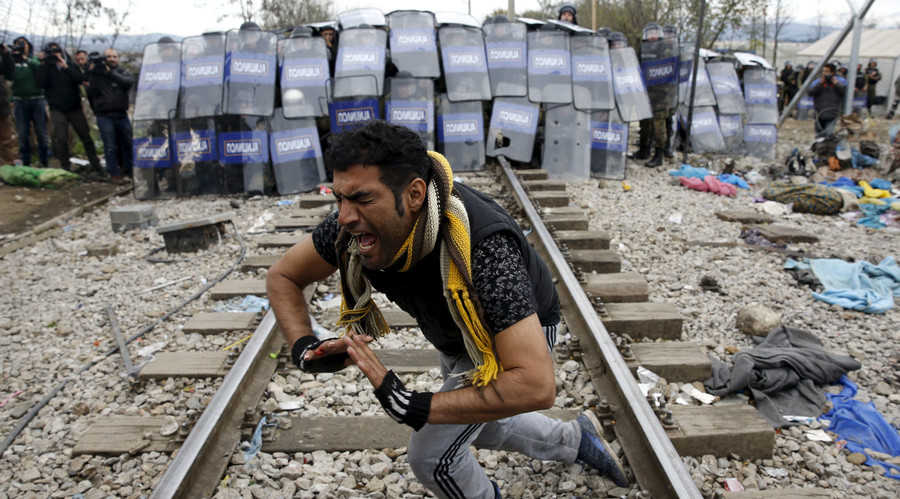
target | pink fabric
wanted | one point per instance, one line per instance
(709, 184)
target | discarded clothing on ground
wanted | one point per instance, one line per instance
(806, 277)
(855, 286)
(784, 373)
(846, 183)
(247, 303)
(27, 176)
(690, 171)
(862, 427)
(808, 198)
(708, 184)
(730, 178)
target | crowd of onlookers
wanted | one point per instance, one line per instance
(36, 84)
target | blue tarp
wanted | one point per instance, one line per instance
(689, 171)
(862, 427)
(856, 286)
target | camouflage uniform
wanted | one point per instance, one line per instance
(660, 96)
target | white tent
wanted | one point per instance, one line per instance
(883, 45)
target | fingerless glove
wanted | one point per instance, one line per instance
(404, 406)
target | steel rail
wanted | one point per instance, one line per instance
(200, 462)
(656, 464)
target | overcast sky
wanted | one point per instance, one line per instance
(190, 17)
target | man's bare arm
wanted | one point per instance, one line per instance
(526, 384)
(299, 267)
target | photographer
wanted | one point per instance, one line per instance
(28, 99)
(828, 100)
(7, 129)
(60, 81)
(108, 93)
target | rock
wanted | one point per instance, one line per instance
(857, 458)
(108, 269)
(882, 388)
(732, 349)
(81, 409)
(757, 320)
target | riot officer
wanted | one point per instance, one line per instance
(567, 13)
(873, 76)
(788, 78)
(617, 40)
(653, 56)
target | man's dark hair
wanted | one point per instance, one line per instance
(81, 52)
(396, 150)
(831, 66)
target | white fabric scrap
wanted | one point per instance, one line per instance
(818, 436)
(696, 394)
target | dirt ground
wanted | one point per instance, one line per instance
(23, 208)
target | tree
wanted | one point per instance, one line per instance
(782, 17)
(117, 22)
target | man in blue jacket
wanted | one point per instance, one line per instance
(828, 100)
(108, 93)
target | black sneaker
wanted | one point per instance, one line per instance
(594, 451)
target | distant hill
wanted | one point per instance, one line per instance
(790, 32)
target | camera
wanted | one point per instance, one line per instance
(98, 60)
(829, 78)
(18, 50)
(50, 52)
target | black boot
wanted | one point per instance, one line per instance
(642, 153)
(667, 152)
(657, 159)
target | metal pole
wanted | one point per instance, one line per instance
(120, 342)
(696, 63)
(813, 74)
(854, 60)
(511, 10)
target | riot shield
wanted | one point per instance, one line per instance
(202, 76)
(197, 154)
(296, 154)
(592, 86)
(705, 134)
(410, 103)
(157, 89)
(353, 102)
(412, 43)
(463, 59)
(761, 96)
(513, 128)
(304, 73)
(659, 68)
(703, 93)
(250, 73)
(361, 52)
(727, 88)
(506, 59)
(549, 67)
(804, 108)
(759, 141)
(154, 177)
(732, 128)
(566, 154)
(631, 95)
(244, 154)
(609, 145)
(460, 134)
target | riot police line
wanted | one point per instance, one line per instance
(250, 111)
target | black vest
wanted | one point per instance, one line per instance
(419, 291)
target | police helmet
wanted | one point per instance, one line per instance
(301, 32)
(250, 26)
(604, 32)
(652, 32)
(571, 10)
(787, 63)
(670, 31)
(165, 39)
(617, 40)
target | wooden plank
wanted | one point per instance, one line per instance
(582, 239)
(599, 261)
(279, 240)
(219, 322)
(784, 234)
(618, 287)
(654, 320)
(566, 221)
(674, 361)
(544, 185)
(252, 263)
(722, 431)
(744, 216)
(563, 210)
(549, 199)
(806, 492)
(409, 360)
(531, 174)
(350, 433)
(116, 435)
(398, 318)
(186, 365)
(318, 212)
(232, 288)
(296, 223)
(315, 200)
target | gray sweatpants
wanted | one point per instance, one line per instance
(439, 454)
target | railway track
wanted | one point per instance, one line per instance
(653, 437)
